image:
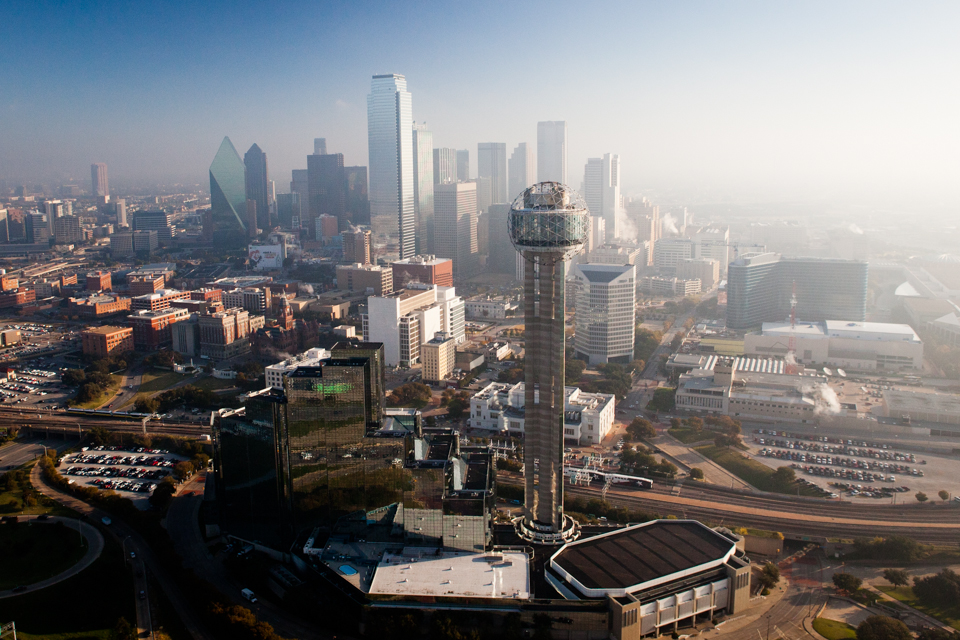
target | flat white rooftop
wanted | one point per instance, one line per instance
(419, 571)
(884, 331)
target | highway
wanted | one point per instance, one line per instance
(55, 424)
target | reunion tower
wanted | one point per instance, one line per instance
(548, 225)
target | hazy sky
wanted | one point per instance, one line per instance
(853, 100)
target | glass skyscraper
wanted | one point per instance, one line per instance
(552, 151)
(492, 165)
(390, 138)
(257, 184)
(423, 187)
(228, 199)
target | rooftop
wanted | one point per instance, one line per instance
(630, 559)
(885, 331)
(917, 401)
(431, 572)
(106, 331)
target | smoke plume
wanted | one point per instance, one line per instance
(670, 224)
(855, 229)
(824, 397)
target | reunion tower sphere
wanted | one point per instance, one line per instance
(549, 217)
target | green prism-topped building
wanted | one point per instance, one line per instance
(228, 197)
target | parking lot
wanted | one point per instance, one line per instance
(856, 469)
(133, 474)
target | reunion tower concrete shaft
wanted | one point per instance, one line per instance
(548, 224)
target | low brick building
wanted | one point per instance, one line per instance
(102, 342)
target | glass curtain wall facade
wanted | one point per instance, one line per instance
(257, 184)
(492, 165)
(228, 199)
(606, 312)
(423, 187)
(390, 138)
(521, 168)
(552, 151)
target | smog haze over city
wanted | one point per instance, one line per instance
(829, 103)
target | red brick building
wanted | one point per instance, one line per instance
(425, 269)
(144, 285)
(18, 297)
(102, 342)
(98, 306)
(99, 281)
(159, 300)
(151, 329)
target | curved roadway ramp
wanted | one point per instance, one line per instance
(94, 549)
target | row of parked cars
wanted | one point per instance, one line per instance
(107, 459)
(125, 485)
(843, 449)
(850, 463)
(114, 472)
(845, 474)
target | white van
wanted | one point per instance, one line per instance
(249, 595)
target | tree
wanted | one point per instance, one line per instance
(935, 633)
(641, 429)
(896, 577)
(675, 423)
(146, 405)
(573, 369)
(921, 497)
(883, 628)
(944, 494)
(89, 391)
(696, 473)
(847, 582)
(769, 575)
(784, 476)
(695, 423)
(99, 436)
(73, 377)
(941, 589)
(182, 470)
(123, 630)
(413, 394)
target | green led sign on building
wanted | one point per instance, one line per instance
(332, 388)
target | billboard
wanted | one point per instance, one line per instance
(266, 256)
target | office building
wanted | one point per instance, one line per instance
(326, 228)
(492, 165)
(855, 346)
(712, 243)
(35, 228)
(327, 186)
(501, 408)
(601, 191)
(372, 278)
(761, 285)
(158, 300)
(103, 342)
(487, 307)
(548, 224)
(522, 170)
(99, 183)
(99, 281)
(152, 329)
(502, 257)
(605, 312)
(666, 286)
(390, 137)
(426, 269)
(228, 199)
(356, 245)
(253, 230)
(405, 319)
(224, 334)
(705, 270)
(98, 306)
(320, 146)
(53, 210)
(120, 206)
(358, 203)
(185, 335)
(121, 244)
(552, 151)
(438, 356)
(288, 208)
(66, 230)
(617, 254)
(274, 373)
(300, 185)
(257, 184)
(423, 186)
(669, 252)
(145, 242)
(455, 216)
(159, 221)
(463, 164)
(445, 166)
(256, 300)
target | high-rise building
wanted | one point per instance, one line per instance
(390, 137)
(426, 269)
(157, 220)
(492, 164)
(67, 230)
(503, 256)
(552, 151)
(288, 208)
(300, 184)
(327, 185)
(601, 190)
(548, 225)
(35, 228)
(438, 356)
(320, 146)
(99, 184)
(455, 225)
(257, 184)
(252, 229)
(405, 319)
(606, 312)
(228, 199)
(356, 246)
(761, 285)
(463, 164)
(120, 206)
(444, 165)
(522, 170)
(53, 209)
(423, 186)
(4, 226)
(358, 203)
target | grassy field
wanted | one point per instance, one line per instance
(154, 381)
(37, 551)
(115, 380)
(834, 629)
(84, 606)
(213, 384)
(686, 436)
(950, 616)
(14, 497)
(749, 470)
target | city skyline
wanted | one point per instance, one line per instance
(746, 100)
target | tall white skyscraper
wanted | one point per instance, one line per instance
(601, 191)
(521, 168)
(390, 139)
(552, 151)
(492, 164)
(455, 221)
(445, 166)
(423, 186)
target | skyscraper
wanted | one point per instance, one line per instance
(423, 186)
(601, 190)
(358, 203)
(606, 312)
(552, 151)
(503, 256)
(228, 201)
(548, 224)
(300, 184)
(521, 168)
(255, 162)
(445, 166)
(492, 164)
(463, 164)
(327, 186)
(455, 225)
(390, 139)
(319, 146)
(100, 185)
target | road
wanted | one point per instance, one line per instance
(15, 454)
(131, 541)
(131, 377)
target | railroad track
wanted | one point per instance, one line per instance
(60, 423)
